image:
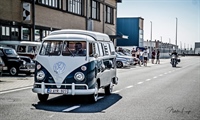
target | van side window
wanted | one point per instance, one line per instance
(91, 49)
(100, 49)
(21, 49)
(112, 48)
(106, 49)
(96, 49)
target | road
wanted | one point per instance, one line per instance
(155, 92)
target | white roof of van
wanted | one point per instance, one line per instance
(96, 35)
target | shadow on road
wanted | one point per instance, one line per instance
(60, 103)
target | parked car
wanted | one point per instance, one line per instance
(13, 63)
(29, 63)
(24, 48)
(124, 60)
(1, 66)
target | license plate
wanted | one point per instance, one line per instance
(62, 91)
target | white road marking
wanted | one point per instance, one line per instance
(14, 90)
(71, 108)
(139, 83)
(116, 91)
(155, 77)
(165, 73)
(147, 79)
(161, 75)
(129, 86)
(169, 72)
(51, 116)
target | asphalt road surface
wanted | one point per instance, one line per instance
(155, 92)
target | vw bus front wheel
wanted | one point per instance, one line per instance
(94, 97)
(108, 89)
(43, 97)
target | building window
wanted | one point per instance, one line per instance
(45, 33)
(109, 15)
(14, 33)
(95, 10)
(75, 6)
(51, 3)
(5, 32)
(26, 34)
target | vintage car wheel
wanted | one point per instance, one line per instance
(43, 97)
(119, 64)
(108, 89)
(94, 97)
(13, 71)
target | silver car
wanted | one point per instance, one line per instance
(124, 60)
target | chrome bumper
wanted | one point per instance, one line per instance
(71, 91)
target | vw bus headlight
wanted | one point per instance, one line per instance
(79, 76)
(40, 75)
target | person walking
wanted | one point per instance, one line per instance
(145, 56)
(158, 57)
(138, 56)
(153, 54)
(141, 57)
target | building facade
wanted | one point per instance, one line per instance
(32, 20)
(133, 28)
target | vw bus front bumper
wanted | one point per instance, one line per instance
(72, 91)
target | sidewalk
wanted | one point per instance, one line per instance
(10, 83)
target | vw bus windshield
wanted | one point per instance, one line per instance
(52, 48)
(68, 48)
(75, 48)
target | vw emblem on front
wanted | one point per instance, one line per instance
(59, 67)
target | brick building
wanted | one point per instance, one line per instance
(32, 20)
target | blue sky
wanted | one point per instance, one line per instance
(163, 14)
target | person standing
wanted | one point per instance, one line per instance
(145, 56)
(158, 57)
(133, 52)
(138, 56)
(153, 54)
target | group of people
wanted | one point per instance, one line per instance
(143, 56)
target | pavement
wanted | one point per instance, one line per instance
(10, 84)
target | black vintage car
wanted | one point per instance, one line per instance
(13, 62)
(1, 66)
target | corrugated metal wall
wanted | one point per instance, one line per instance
(129, 27)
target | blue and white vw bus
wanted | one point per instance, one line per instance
(75, 62)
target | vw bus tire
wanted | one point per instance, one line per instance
(43, 97)
(13, 71)
(108, 89)
(119, 64)
(94, 97)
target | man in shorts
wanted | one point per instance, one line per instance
(145, 56)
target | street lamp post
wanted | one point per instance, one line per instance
(176, 31)
(150, 39)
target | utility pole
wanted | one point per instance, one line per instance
(176, 31)
(33, 20)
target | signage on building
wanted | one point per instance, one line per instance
(26, 12)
